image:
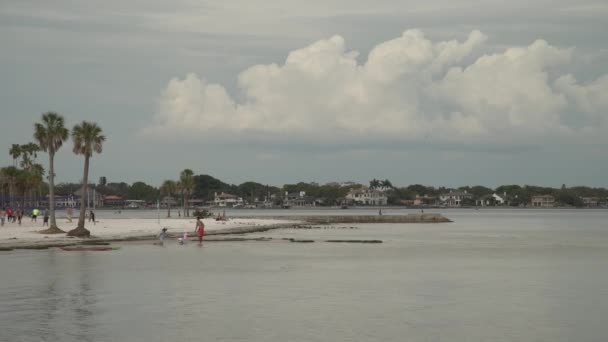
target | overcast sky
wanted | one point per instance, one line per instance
(438, 92)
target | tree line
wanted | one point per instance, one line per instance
(205, 186)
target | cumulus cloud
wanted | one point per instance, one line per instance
(407, 88)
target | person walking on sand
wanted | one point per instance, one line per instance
(2, 215)
(45, 222)
(19, 216)
(200, 229)
(91, 216)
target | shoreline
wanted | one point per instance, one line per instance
(130, 230)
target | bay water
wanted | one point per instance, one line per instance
(491, 275)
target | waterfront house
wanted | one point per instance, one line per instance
(113, 201)
(226, 200)
(591, 201)
(366, 196)
(298, 199)
(543, 201)
(455, 198)
(491, 200)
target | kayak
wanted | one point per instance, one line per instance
(90, 248)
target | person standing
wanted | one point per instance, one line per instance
(200, 229)
(9, 214)
(69, 211)
(161, 236)
(2, 215)
(19, 215)
(91, 216)
(45, 222)
(35, 214)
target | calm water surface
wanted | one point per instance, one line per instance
(502, 275)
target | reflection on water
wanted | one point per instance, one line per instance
(518, 276)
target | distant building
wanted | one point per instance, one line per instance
(367, 196)
(543, 201)
(298, 199)
(135, 204)
(491, 200)
(226, 200)
(113, 201)
(92, 199)
(591, 201)
(424, 200)
(455, 198)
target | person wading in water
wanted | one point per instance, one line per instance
(200, 229)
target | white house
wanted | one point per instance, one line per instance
(226, 200)
(454, 198)
(367, 196)
(493, 199)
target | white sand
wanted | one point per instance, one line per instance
(12, 233)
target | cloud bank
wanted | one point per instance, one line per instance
(408, 88)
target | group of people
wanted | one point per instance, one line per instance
(199, 230)
(16, 216)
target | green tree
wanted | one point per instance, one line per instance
(168, 188)
(374, 183)
(142, 191)
(87, 139)
(186, 185)
(15, 152)
(11, 175)
(51, 134)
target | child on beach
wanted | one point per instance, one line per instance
(200, 229)
(162, 235)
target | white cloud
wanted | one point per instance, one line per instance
(408, 88)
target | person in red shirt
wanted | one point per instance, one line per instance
(9, 214)
(200, 229)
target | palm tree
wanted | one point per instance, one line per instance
(186, 181)
(15, 152)
(386, 184)
(11, 175)
(34, 176)
(50, 135)
(87, 139)
(29, 153)
(374, 183)
(168, 188)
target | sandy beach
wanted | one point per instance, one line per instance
(11, 234)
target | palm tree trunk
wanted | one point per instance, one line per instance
(187, 210)
(53, 229)
(169, 206)
(10, 192)
(83, 192)
(85, 183)
(52, 189)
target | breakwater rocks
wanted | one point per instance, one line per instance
(330, 219)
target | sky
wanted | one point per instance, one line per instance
(436, 92)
